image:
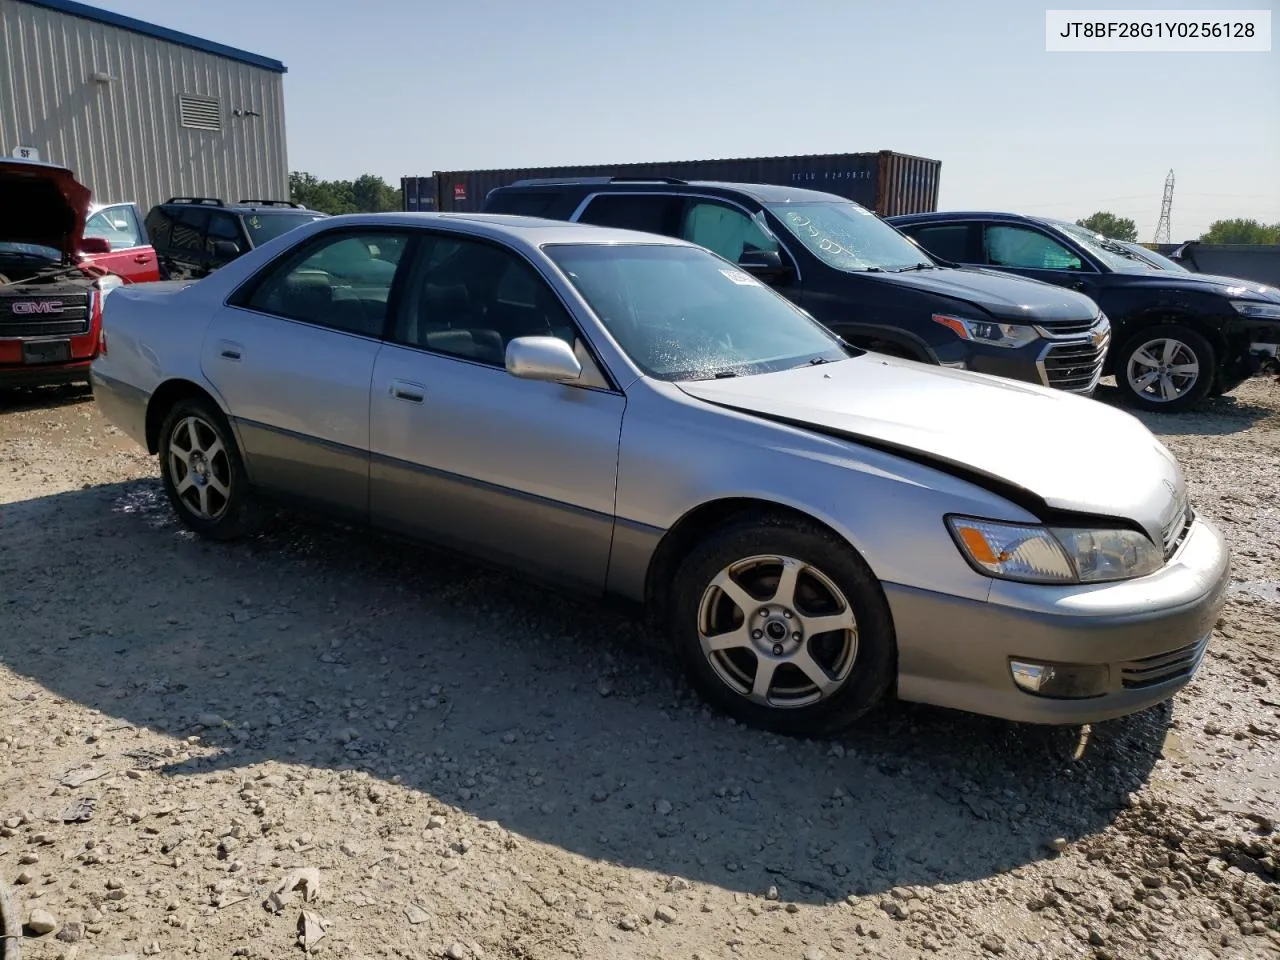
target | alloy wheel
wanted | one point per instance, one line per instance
(200, 468)
(778, 631)
(1162, 370)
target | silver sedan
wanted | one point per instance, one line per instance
(815, 527)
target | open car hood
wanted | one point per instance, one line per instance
(43, 204)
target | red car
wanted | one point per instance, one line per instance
(131, 256)
(50, 295)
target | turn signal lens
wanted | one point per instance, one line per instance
(1013, 552)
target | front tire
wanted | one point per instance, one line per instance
(780, 624)
(1165, 369)
(203, 472)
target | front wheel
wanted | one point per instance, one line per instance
(1166, 368)
(781, 624)
(202, 471)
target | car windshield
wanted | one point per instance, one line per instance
(1110, 252)
(682, 313)
(267, 226)
(1159, 259)
(848, 237)
(27, 251)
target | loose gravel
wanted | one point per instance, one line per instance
(325, 740)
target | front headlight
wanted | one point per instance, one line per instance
(1257, 310)
(1034, 554)
(1011, 335)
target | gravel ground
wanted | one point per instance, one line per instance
(211, 749)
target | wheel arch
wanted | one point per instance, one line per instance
(162, 400)
(700, 521)
(895, 343)
(1135, 323)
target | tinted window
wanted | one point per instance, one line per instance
(188, 229)
(724, 230)
(116, 225)
(950, 242)
(267, 226)
(523, 204)
(650, 214)
(682, 314)
(160, 227)
(303, 289)
(470, 299)
(1011, 246)
(223, 227)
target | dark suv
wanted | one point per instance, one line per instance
(1177, 336)
(193, 236)
(851, 271)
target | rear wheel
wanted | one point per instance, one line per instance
(1165, 368)
(782, 625)
(202, 471)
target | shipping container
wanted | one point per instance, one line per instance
(889, 183)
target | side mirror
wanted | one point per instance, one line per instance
(765, 265)
(95, 245)
(226, 249)
(542, 358)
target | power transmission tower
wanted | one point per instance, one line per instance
(1164, 229)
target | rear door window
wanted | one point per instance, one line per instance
(189, 231)
(950, 241)
(649, 213)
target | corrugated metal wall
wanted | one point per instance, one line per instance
(887, 182)
(123, 138)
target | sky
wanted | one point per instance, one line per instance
(406, 87)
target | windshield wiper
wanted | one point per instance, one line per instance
(817, 361)
(916, 266)
(723, 374)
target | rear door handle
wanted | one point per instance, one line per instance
(408, 391)
(228, 350)
(142, 258)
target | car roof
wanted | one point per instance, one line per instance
(268, 208)
(760, 192)
(533, 231)
(942, 216)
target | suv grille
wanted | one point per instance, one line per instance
(1074, 365)
(1162, 668)
(43, 315)
(1066, 328)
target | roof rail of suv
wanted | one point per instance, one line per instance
(208, 201)
(549, 181)
(272, 203)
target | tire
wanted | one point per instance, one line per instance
(1173, 347)
(858, 664)
(217, 502)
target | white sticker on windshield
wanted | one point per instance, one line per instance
(740, 278)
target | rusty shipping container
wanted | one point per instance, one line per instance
(889, 183)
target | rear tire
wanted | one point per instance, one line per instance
(203, 472)
(1165, 369)
(806, 655)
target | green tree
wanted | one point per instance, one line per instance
(1109, 225)
(1239, 230)
(366, 194)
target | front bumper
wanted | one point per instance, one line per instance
(44, 374)
(1073, 364)
(1149, 633)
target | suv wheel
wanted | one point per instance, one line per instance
(782, 625)
(1166, 368)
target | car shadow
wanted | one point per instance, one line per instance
(563, 721)
(1211, 417)
(16, 399)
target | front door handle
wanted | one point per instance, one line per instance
(228, 350)
(142, 258)
(408, 391)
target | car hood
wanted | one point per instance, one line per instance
(43, 204)
(1234, 287)
(1049, 451)
(1007, 298)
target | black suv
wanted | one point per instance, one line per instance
(193, 236)
(1176, 336)
(850, 270)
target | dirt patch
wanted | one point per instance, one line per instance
(326, 738)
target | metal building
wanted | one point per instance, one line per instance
(137, 111)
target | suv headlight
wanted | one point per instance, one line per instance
(1012, 335)
(1035, 554)
(1257, 310)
